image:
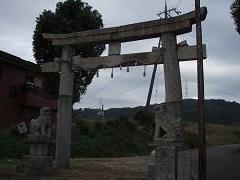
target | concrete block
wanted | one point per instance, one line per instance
(38, 149)
(114, 48)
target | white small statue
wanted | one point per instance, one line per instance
(42, 125)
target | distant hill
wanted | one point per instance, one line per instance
(217, 110)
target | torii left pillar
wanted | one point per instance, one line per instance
(64, 116)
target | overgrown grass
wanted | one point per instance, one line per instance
(13, 147)
(113, 138)
(217, 134)
(116, 138)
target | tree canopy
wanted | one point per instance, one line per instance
(235, 11)
(69, 16)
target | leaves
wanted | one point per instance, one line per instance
(235, 11)
(69, 16)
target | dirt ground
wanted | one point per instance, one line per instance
(95, 169)
(222, 162)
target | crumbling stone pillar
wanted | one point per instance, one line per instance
(64, 116)
(168, 118)
(173, 88)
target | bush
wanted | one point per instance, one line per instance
(190, 140)
(13, 147)
(113, 138)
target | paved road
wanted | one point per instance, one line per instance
(222, 163)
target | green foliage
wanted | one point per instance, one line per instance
(235, 11)
(122, 117)
(113, 138)
(13, 147)
(98, 127)
(69, 16)
(217, 111)
(81, 128)
(190, 140)
(145, 120)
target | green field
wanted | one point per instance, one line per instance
(117, 138)
(217, 134)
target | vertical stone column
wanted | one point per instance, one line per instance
(64, 116)
(166, 157)
(173, 88)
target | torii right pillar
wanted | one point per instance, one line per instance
(173, 87)
(167, 165)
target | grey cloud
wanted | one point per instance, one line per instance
(17, 21)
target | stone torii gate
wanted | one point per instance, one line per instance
(169, 55)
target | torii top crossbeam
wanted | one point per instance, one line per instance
(114, 36)
(132, 32)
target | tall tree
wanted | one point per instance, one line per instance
(235, 11)
(69, 16)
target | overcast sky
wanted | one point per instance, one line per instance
(222, 68)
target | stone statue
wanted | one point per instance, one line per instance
(42, 125)
(164, 127)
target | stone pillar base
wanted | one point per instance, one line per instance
(168, 164)
(37, 165)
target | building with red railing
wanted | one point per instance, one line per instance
(21, 93)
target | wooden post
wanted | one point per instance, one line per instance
(64, 117)
(202, 162)
(151, 88)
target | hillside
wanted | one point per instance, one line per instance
(219, 111)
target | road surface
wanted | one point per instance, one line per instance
(222, 163)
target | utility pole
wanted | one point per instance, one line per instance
(166, 13)
(201, 98)
(152, 83)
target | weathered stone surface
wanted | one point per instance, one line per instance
(50, 67)
(173, 87)
(92, 63)
(41, 127)
(38, 149)
(168, 29)
(185, 53)
(165, 152)
(171, 69)
(165, 163)
(150, 29)
(168, 164)
(38, 161)
(114, 48)
(36, 165)
(64, 116)
(164, 127)
(184, 166)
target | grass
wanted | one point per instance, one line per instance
(8, 162)
(217, 134)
